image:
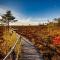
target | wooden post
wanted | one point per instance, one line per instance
(19, 50)
(33, 41)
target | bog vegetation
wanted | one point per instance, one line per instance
(45, 37)
(42, 36)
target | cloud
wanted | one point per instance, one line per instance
(23, 20)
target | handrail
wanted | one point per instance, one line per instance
(12, 48)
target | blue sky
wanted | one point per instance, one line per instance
(44, 9)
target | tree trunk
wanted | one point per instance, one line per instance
(8, 25)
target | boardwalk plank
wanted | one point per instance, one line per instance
(29, 51)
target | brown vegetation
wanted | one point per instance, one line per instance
(41, 36)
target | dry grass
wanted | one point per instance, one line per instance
(10, 39)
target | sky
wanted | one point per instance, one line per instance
(32, 10)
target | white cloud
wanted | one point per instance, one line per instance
(25, 22)
(22, 20)
(0, 17)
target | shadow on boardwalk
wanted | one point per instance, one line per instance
(29, 51)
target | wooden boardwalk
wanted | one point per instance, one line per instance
(29, 52)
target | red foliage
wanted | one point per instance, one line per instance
(56, 40)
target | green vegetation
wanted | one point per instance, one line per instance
(8, 17)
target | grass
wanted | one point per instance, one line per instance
(9, 40)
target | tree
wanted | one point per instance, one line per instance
(6, 18)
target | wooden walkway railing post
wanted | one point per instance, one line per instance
(12, 49)
(19, 50)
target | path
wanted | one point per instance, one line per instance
(29, 52)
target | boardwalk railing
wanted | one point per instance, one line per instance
(18, 54)
(12, 49)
